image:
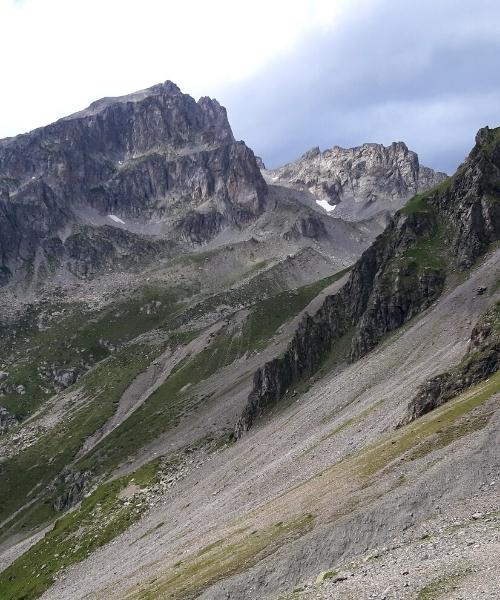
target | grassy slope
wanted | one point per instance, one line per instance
(76, 337)
(166, 405)
(100, 518)
(29, 472)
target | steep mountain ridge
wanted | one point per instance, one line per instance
(157, 173)
(325, 499)
(399, 276)
(359, 182)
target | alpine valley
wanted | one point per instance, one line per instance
(219, 380)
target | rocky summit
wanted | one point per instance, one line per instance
(152, 162)
(220, 381)
(358, 183)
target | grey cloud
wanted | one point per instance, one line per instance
(425, 73)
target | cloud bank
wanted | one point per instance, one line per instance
(425, 73)
(293, 74)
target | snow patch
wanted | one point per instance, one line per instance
(116, 219)
(324, 204)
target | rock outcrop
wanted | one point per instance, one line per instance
(154, 163)
(58, 378)
(310, 226)
(360, 182)
(7, 420)
(7, 387)
(72, 486)
(481, 360)
(399, 276)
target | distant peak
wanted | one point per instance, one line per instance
(398, 147)
(395, 146)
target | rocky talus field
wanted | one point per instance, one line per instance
(222, 381)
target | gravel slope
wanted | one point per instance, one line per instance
(256, 482)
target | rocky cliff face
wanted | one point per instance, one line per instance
(360, 182)
(400, 275)
(157, 161)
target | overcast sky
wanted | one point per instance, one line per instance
(293, 74)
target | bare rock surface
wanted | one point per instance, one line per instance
(359, 182)
(81, 193)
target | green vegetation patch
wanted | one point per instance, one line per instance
(426, 256)
(419, 204)
(441, 585)
(429, 249)
(434, 430)
(223, 559)
(326, 575)
(102, 516)
(26, 474)
(428, 252)
(270, 314)
(61, 336)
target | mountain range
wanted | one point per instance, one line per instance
(219, 380)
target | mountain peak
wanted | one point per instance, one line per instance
(167, 88)
(361, 181)
(155, 156)
(487, 135)
(483, 135)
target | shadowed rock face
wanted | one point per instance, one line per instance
(361, 181)
(399, 276)
(378, 297)
(153, 156)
